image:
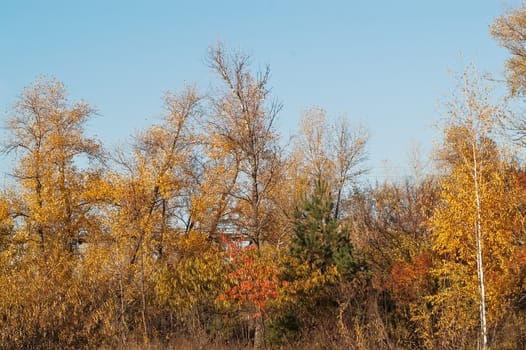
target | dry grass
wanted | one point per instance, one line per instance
(178, 344)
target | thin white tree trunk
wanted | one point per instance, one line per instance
(480, 268)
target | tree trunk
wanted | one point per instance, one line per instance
(259, 334)
(480, 269)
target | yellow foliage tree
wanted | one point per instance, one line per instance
(48, 217)
(475, 223)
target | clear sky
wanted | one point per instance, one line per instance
(383, 64)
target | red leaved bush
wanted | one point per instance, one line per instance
(253, 280)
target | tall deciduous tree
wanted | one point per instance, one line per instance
(51, 215)
(151, 201)
(242, 131)
(474, 223)
(332, 151)
(47, 135)
(242, 128)
(510, 32)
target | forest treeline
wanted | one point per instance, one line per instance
(207, 232)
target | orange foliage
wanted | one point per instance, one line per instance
(254, 281)
(409, 281)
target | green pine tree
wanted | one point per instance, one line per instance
(319, 239)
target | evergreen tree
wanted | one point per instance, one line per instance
(319, 239)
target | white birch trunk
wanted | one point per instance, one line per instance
(480, 269)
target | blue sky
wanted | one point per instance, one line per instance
(382, 64)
